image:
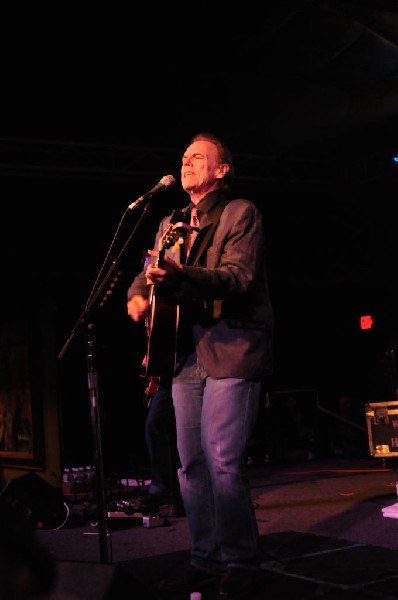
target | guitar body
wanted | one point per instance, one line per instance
(163, 315)
(162, 335)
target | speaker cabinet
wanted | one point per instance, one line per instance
(31, 498)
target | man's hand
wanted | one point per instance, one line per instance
(137, 307)
(167, 274)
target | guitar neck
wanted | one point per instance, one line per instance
(160, 260)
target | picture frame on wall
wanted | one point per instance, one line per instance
(21, 426)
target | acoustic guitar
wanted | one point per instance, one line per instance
(163, 313)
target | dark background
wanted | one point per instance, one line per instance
(98, 107)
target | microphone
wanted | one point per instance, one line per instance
(166, 182)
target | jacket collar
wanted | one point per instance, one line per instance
(207, 205)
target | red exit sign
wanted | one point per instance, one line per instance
(367, 322)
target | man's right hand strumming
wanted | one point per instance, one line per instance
(137, 307)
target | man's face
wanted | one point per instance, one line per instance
(201, 169)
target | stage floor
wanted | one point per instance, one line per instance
(323, 534)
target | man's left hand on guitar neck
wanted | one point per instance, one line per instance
(167, 274)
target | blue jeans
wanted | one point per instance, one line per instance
(160, 438)
(214, 419)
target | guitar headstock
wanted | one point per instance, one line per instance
(173, 236)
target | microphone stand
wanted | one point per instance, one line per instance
(92, 379)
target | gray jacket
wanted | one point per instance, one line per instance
(223, 295)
